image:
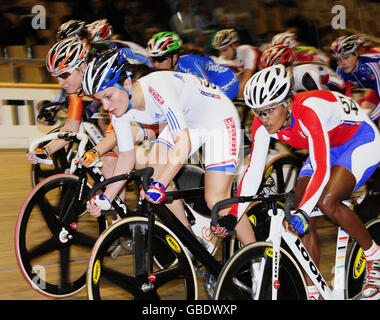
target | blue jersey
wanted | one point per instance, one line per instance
(367, 75)
(206, 68)
(100, 46)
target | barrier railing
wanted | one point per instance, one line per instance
(18, 112)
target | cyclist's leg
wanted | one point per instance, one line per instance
(218, 187)
(340, 186)
(157, 159)
(352, 164)
(356, 164)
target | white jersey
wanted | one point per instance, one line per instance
(247, 57)
(185, 101)
(309, 76)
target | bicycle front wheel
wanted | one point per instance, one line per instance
(52, 251)
(247, 275)
(356, 262)
(118, 268)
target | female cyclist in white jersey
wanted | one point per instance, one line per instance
(243, 59)
(196, 112)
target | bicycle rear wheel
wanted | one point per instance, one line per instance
(281, 174)
(239, 278)
(53, 255)
(118, 264)
(356, 262)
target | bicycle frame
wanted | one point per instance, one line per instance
(95, 171)
(302, 258)
(169, 220)
(87, 129)
(278, 232)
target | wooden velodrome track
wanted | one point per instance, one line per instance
(15, 185)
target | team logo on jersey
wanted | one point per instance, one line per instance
(156, 96)
(212, 66)
(231, 129)
(209, 94)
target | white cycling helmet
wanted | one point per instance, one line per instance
(65, 56)
(104, 71)
(224, 38)
(71, 28)
(286, 38)
(267, 88)
(99, 30)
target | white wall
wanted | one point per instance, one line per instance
(18, 125)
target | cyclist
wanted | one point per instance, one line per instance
(164, 49)
(243, 59)
(361, 70)
(306, 75)
(197, 114)
(301, 52)
(96, 37)
(344, 150)
(66, 61)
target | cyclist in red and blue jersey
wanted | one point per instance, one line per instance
(362, 70)
(344, 151)
(164, 48)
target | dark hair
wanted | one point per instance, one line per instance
(189, 48)
(138, 71)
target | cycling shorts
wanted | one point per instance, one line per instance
(360, 155)
(220, 146)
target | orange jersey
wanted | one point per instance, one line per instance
(75, 107)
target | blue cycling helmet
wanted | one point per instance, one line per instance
(104, 71)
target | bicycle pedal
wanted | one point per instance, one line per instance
(210, 284)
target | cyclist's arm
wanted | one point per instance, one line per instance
(108, 143)
(319, 147)
(252, 177)
(126, 157)
(243, 78)
(125, 162)
(72, 123)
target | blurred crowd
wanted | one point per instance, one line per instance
(196, 21)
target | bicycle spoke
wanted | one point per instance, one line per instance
(280, 179)
(64, 255)
(166, 275)
(43, 248)
(128, 283)
(83, 240)
(47, 211)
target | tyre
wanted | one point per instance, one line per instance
(356, 262)
(54, 236)
(239, 278)
(118, 264)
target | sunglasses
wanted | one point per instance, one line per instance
(160, 59)
(64, 75)
(266, 112)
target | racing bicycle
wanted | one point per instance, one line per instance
(272, 269)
